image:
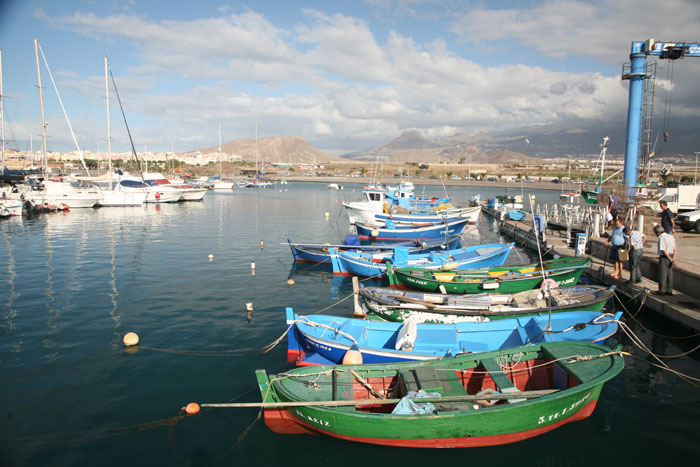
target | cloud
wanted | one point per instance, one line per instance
(329, 79)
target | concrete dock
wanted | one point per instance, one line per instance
(683, 307)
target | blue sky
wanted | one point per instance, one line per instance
(344, 75)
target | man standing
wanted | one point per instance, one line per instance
(667, 259)
(612, 208)
(636, 239)
(667, 221)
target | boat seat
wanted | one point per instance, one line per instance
(342, 386)
(505, 385)
(429, 379)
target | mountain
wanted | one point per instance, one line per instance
(284, 149)
(536, 141)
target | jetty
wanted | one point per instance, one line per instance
(683, 307)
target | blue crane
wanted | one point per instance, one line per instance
(637, 74)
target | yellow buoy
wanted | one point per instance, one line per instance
(249, 306)
(327, 215)
(192, 408)
(374, 233)
(353, 356)
(130, 339)
(290, 281)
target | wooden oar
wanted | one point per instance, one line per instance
(360, 402)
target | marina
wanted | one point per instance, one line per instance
(182, 275)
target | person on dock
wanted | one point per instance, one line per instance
(667, 252)
(635, 241)
(618, 242)
(667, 221)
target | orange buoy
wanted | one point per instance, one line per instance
(157, 195)
(130, 339)
(192, 408)
(290, 281)
(353, 356)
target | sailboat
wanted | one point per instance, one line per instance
(8, 206)
(222, 185)
(54, 192)
(115, 190)
(259, 182)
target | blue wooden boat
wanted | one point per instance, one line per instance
(516, 214)
(392, 232)
(420, 217)
(320, 253)
(369, 264)
(324, 340)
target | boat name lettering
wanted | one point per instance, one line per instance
(571, 280)
(319, 346)
(556, 415)
(317, 421)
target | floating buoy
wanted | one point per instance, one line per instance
(262, 244)
(336, 201)
(252, 269)
(192, 408)
(249, 306)
(252, 265)
(327, 215)
(374, 233)
(211, 257)
(157, 195)
(290, 281)
(130, 339)
(353, 356)
(452, 265)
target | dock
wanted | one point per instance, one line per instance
(683, 307)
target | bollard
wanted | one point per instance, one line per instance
(596, 226)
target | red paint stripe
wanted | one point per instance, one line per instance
(469, 442)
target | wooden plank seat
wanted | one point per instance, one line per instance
(429, 379)
(504, 384)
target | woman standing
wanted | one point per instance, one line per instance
(617, 240)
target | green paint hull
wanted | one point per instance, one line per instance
(577, 298)
(503, 279)
(575, 386)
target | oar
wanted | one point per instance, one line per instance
(360, 402)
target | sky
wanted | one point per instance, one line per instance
(344, 75)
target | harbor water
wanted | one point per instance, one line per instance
(72, 284)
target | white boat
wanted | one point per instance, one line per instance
(220, 184)
(10, 207)
(187, 192)
(58, 193)
(335, 186)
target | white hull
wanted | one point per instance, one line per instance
(160, 195)
(123, 198)
(193, 194)
(365, 212)
(224, 186)
(12, 207)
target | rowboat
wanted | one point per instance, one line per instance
(392, 232)
(470, 400)
(325, 340)
(366, 264)
(399, 305)
(319, 253)
(502, 279)
(516, 214)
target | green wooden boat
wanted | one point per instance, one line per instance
(469, 400)
(391, 304)
(501, 279)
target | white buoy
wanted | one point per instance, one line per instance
(211, 257)
(327, 215)
(290, 281)
(249, 306)
(262, 244)
(374, 233)
(130, 339)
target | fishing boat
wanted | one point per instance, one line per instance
(392, 232)
(470, 400)
(325, 340)
(399, 305)
(502, 279)
(319, 253)
(571, 197)
(369, 264)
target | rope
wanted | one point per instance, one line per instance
(645, 294)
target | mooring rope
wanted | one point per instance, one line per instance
(645, 294)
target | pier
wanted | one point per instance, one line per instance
(682, 307)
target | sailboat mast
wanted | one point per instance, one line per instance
(109, 131)
(45, 156)
(2, 117)
(219, 151)
(256, 150)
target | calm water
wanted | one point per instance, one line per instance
(72, 284)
